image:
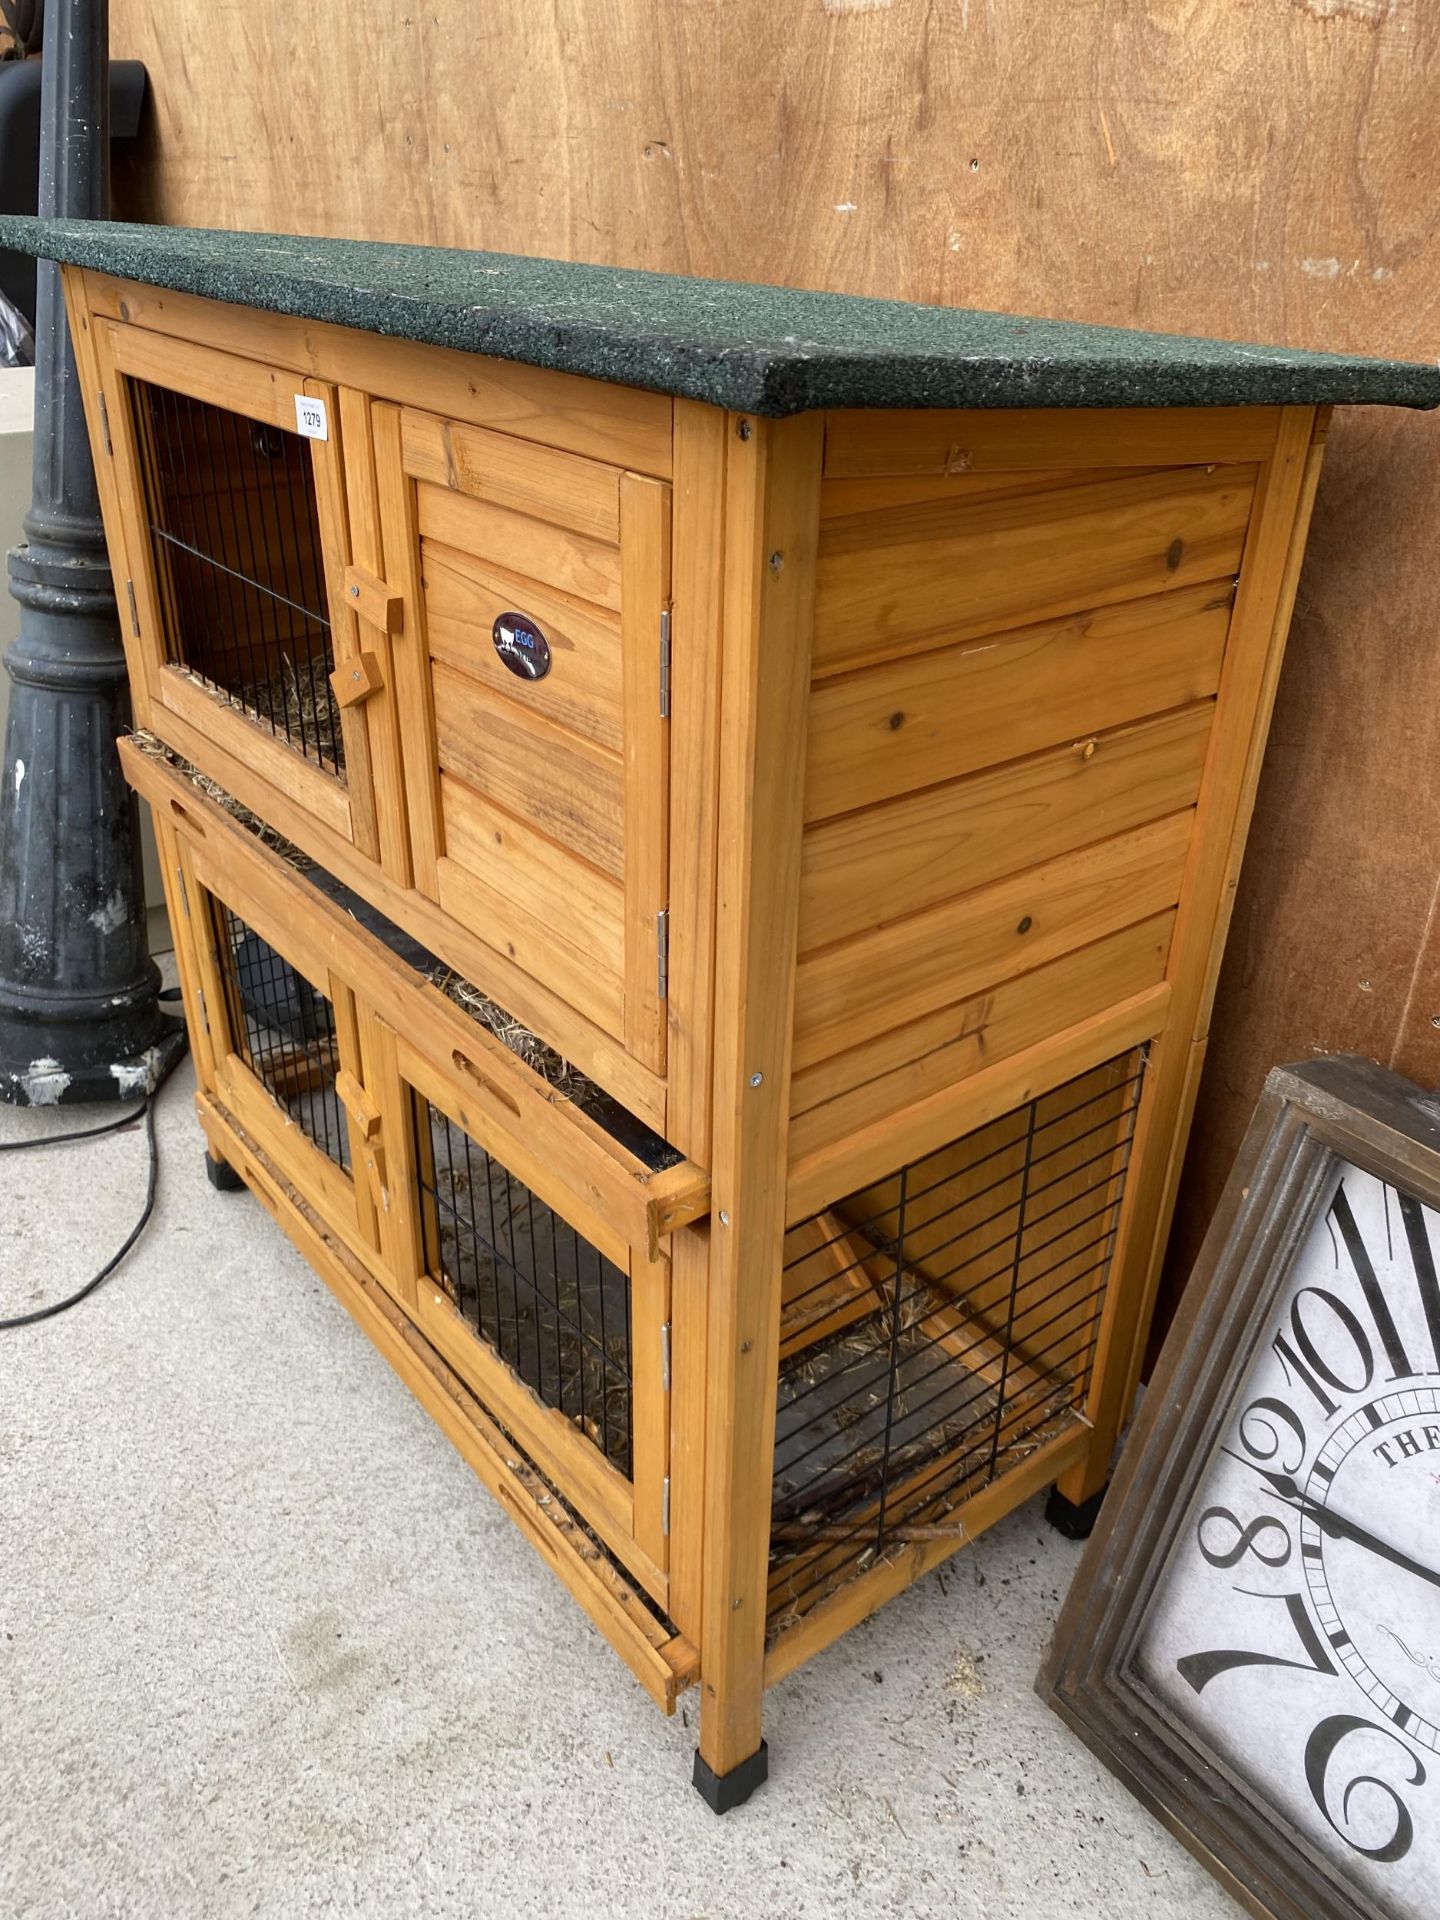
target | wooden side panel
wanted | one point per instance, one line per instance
(1012, 709)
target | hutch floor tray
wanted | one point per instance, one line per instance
(827, 727)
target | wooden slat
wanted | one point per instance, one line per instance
(552, 555)
(560, 487)
(662, 1662)
(583, 689)
(650, 1407)
(864, 869)
(772, 487)
(904, 971)
(414, 708)
(569, 790)
(348, 640)
(821, 1177)
(188, 925)
(689, 1313)
(368, 551)
(645, 563)
(701, 435)
(887, 1072)
(517, 864)
(226, 380)
(534, 939)
(934, 716)
(843, 497)
(890, 583)
(870, 442)
(608, 422)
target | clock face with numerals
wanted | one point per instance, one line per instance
(1296, 1624)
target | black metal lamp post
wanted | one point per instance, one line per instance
(79, 1012)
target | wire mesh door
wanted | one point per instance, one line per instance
(559, 1325)
(285, 1039)
(235, 537)
(234, 526)
(938, 1328)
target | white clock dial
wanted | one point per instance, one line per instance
(1296, 1624)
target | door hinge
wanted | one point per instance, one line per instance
(665, 663)
(665, 1356)
(184, 892)
(204, 1010)
(105, 424)
(662, 953)
(665, 1507)
(134, 612)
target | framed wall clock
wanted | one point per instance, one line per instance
(1253, 1639)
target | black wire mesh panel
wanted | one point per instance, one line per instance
(554, 1309)
(238, 561)
(283, 1028)
(936, 1329)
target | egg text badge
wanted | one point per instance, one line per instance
(521, 645)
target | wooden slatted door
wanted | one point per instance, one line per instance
(533, 706)
(283, 1032)
(246, 620)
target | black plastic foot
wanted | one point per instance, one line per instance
(222, 1176)
(1076, 1523)
(722, 1791)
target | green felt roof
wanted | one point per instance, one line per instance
(768, 350)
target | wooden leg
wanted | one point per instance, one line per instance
(221, 1175)
(772, 486)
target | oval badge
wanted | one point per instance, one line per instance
(521, 645)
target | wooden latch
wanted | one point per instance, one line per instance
(371, 598)
(356, 679)
(364, 1114)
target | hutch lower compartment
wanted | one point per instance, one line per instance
(699, 889)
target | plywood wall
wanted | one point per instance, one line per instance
(1266, 169)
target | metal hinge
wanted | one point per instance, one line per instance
(105, 424)
(204, 1010)
(134, 612)
(665, 1356)
(184, 892)
(662, 953)
(665, 663)
(665, 1506)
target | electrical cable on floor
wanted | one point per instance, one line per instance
(146, 1109)
(146, 1112)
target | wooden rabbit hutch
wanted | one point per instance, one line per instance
(699, 823)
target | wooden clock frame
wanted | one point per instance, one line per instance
(1308, 1118)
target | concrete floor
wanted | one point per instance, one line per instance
(268, 1648)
